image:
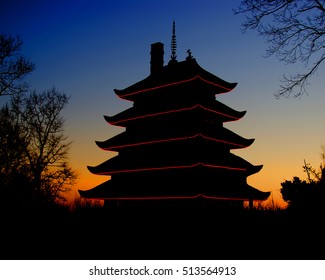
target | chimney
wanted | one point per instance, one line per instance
(157, 58)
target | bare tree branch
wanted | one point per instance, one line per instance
(41, 147)
(294, 31)
(13, 66)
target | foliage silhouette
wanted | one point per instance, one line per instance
(306, 195)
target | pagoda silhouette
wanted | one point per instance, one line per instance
(174, 149)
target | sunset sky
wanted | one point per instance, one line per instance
(88, 48)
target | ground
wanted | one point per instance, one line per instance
(97, 234)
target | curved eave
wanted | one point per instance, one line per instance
(176, 74)
(132, 114)
(255, 194)
(254, 169)
(150, 161)
(104, 169)
(106, 191)
(124, 140)
(89, 194)
(194, 82)
(100, 171)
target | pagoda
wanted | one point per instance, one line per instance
(174, 149)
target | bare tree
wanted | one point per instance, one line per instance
(41, 149)
(294, 31)
(13, 66)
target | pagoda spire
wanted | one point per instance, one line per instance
(173, 43)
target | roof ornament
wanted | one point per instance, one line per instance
(189, 55)
(173, 44)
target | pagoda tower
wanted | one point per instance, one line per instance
(175, 149)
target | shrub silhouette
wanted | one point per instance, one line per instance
(303, 195)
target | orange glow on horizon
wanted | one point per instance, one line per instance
(87, 181)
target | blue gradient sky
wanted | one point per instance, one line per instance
(88, 48)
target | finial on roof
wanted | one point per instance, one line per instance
(174, 44)
(189, 55)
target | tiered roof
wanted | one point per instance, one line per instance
(175, 145)
(125, 140)
(216, 110)
(182, 77)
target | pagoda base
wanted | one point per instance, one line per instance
(173, 205)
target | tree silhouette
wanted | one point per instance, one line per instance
(305, 194)
(294, 31)
(34, 148)
(13, 66)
